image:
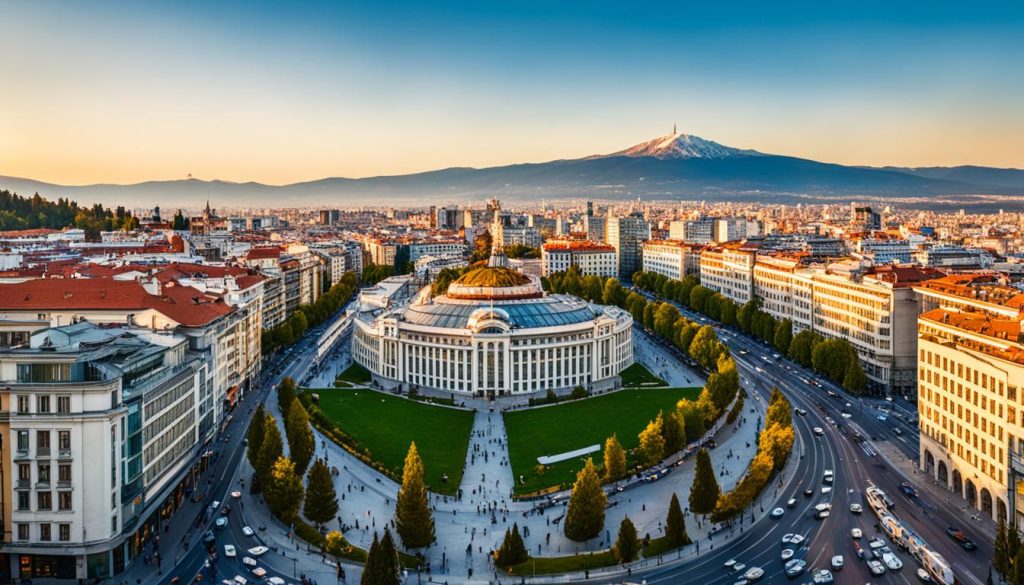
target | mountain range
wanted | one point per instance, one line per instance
(672, 167)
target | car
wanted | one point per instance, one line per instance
(777, 513)
(258, 550)
(236, 494)
(876, 543)
(819, 431)
(229, 550)
(209, 538)
(897, 431)
(832, 394)
(259, 572)
(856, 508)
(729, 564)
(826, 489)
(794, 539)
(878, 553)
(855, 533)
(858, 550)
(837, 563)
(922, 575)
(249, 561)
(787, 553)
(247, 531)
(791, 503)
(823, 577)
(221, 523)
(876, 568)
(794, 567)
(908, 490)
(275, 581)
(801, 411)
(968, 545)
(830, 420)
(239, 580)
(226, 510)
(882, 417)
(753, 574)
(965, 543)
(892, 562)
(808, 492)
(214, 504)
(846, 415)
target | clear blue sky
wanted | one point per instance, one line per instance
(277, 92)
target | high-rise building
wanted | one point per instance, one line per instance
(671, 258)
(627, 235)
(592, 258)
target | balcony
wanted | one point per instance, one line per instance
(64, 454)
(23, 484)
(43, 484)
(21, 454)
(42, 451)
(64, 484)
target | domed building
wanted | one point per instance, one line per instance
(494, 333)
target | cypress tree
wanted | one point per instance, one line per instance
(413, 520)
(1018, 568)
(285, 491)
(285, 394)
(1000, 558)
(270, 449)
(301, 443)
(372, 568)
(321, 500)
(512, 551)
(584, 518)
(675, 524)
(255, 435)
(673, 432)
(1012, 544)
(614, 459)
(627, 545)
(389, 566)
(705, 491)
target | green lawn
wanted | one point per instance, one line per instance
(566, 427)
(383, 426)
(570, 564)
(355, 374)
(638, 375)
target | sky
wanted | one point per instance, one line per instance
(280, 92)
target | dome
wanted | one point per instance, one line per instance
(548, 311)
(494, 277)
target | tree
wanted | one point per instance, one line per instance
(512, 551)
(1013, 545)
(255, 435)
(854, 381)
(1018, 568)
(652, 443)
(585, 517)
(627, 546)
(321, 499)
(301, 442)
(784, 335)
(1000, 557)
(802, 347)
(675, 524)
(382, 566)
(693, 419)
(704, 491)
(614, 459)
(335, 544)
(673, 432)
(612, 293)
(705, 347)
(270, 450)
(413, 519)
(285, 394)
(391, 566)
(284, 492)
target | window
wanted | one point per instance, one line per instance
(64, 404)
(45, 501)
(22, 404)
(64, 473)
(23, 532)
(43, 442)
(44, 473)
(24, 472)
(64, 440)
(42, 403)
(64, 531)
(44, 531)
(24, 501)
(23, 440)
(64, 500)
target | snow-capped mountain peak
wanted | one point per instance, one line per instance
(679, 146)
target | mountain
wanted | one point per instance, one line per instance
(673, 167)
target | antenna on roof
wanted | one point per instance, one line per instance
(674, 129)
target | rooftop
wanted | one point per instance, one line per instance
(578, 246)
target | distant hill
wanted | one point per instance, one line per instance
(676, 166)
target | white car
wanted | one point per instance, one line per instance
(837, 563)
(797, 539)
(754, 574)
(258, 550)
(826, 489)
(823, 577)
(259, 572)
(876, 567)
(777, 513)
(876, 543)
(856, 508)
(855, 533)
(730, 564)
(846, 415)
(236, 494)
(819, 431)
(787, 553)
(892, 562)
(882, 417)
(791, 503)
(794, 567)
(247, 531)
(229, 550)
(739, 567)
(275, 581)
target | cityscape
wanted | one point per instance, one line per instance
(385, 335)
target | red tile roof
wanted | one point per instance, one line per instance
(183, 304)
(263, 253)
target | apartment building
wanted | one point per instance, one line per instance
(592, 258)
(595, 227)
(693, 231)
(729, 269)
(299, 273)
(627, 235)
(102, 433)
(672, 258)
(437, 247)
(971, 391)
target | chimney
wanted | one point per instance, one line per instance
(152, 285)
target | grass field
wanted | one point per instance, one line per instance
(385, 425)
(570, 564)
(638, 375)
(355, 374)
(566, 427)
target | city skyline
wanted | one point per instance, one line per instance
(123, 93)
